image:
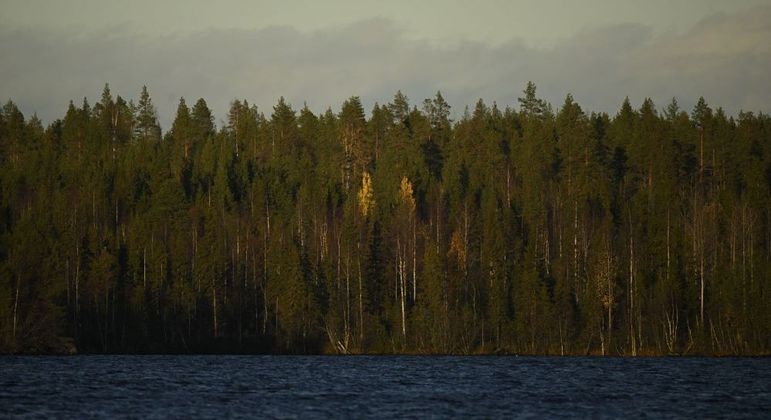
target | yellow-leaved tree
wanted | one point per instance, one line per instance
(366, 195)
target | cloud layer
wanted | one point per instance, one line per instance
(725, 58)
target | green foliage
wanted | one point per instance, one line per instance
(146, 127)
(523, 231)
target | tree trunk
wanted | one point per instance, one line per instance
(77, 288)
(265, 238)
(668, 247)
(575, 250)
(414, 261)
(144, 268)
(609, 279)
(214, 304)
(701, 283)
(631, 311)
(361, 307)
(16, 306)
(401, 274)
(256, 300)
(348, 293)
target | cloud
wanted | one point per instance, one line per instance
(725, 58)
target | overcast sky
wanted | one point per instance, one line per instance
(322, 52)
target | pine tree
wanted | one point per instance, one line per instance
(146, 128)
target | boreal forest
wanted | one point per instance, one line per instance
(407, 228)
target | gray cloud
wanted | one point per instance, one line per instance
(725, 58)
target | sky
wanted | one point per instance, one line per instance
(321, 52)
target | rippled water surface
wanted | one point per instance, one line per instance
(314, 386)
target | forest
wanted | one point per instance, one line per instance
(411, 228)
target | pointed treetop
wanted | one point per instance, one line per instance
(307, 118)
(701, 113)
(147, 127)
(438, 111)
(11, 108)
(626, 106)
(304, 110)
(439, 99)
(495, 111)
(329, 115)
(182, 119)
(480, 109)
(106, 95)
(673, 109)
(352, 111)
(203, 119)
(400, 107)
(144, 96)
(648, 108)
(626, 112)
(530, 104)
(570, 109)
(283, 112)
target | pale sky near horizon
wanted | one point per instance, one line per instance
(322, 52)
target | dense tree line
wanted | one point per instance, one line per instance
(529, 230)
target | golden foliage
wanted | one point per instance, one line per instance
(366, 195)
(406, 195)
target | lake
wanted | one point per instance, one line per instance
(383, 386)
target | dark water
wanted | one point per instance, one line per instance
(354, 387)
